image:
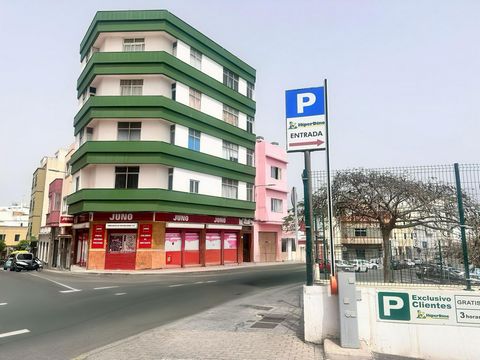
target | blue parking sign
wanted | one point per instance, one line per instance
(305, 102)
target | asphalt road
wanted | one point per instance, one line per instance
(51, 315)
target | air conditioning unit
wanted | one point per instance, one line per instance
(92, 91)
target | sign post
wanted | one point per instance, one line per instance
(306, 123)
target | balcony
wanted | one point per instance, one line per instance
(111, 200)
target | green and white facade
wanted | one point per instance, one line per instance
(164, 169)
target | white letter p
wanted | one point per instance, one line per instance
(392, 303)
(304, 100)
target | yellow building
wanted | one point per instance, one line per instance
(13, 224)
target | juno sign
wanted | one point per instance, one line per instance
(305, 110)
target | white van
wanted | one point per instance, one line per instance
(359, 265)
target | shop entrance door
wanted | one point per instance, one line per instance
(267, 246)
(121, 250)
(247, 246)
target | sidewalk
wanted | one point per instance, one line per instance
(267, 325)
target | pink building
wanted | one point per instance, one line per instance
(270, 193)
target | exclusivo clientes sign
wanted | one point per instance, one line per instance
(429, 307)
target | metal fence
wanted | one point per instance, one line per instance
(400, 225)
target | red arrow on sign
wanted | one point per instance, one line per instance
(316, 142)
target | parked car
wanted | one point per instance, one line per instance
(24, 261)
(342, 265)
(359, 265)
(8, 263)
(373, 265)
(437, 273)
(408, 262)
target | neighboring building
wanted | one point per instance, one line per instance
(360, 239)
(50, 168)
(55, 245)
(270, 192)
(13, 225)
(163, 172)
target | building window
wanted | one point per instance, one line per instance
(250, 89)
(194, 139)
(77, 183)
(126, 177)
(17, 237)
(276, 172)
(250, 192)
(276, 205)
(230, 188)
(174, 91)
(360, 253)
(64, 205)
(250, 124)
(194, 186)
(172, 134)
(89, 133)
(230, 79)
(361, 232)
(137, 44)
(195, 58)
(174, 49)
(195, 99)
(230, 151)
(170, 179)
(131, 87)
(230, 115)
(2, 237)
(129, 131)
(250, 154)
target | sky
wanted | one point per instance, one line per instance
(403, 75)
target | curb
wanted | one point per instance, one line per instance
(175, 270)
(333, 351)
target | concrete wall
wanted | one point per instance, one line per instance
(439, 342)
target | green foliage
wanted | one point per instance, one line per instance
(23, 245)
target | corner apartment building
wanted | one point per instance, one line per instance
(163, 173)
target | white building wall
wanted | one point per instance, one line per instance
(183, 94)
(242, 190)
(212, 107)
(153, 177)
(181, 136)
(242, 155)
(211, 145)
(183, 51)
(106, 130)
(212, 69)
(209, 184)
(155, 130)
(242, 121)
(242, 86)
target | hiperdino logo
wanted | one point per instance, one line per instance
(394, 306)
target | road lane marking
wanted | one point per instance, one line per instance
(120, 294)
(176, 285)
(71, 289)
(211, 281)
(12, 333)
(105, 287)
(1, 304)
(200, 282)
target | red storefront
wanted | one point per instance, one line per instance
(147, 240)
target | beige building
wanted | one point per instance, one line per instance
(50, 168)
(13, 224)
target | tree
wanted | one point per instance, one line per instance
(23, 245)
(394, 201)
(3, 246)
